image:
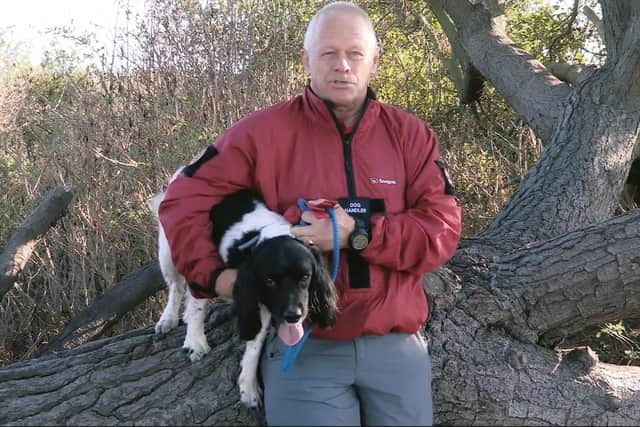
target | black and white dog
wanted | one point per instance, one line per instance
(280, 280)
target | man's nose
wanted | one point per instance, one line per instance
(342, 64)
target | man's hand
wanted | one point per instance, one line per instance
(224, 283)
(319, 232)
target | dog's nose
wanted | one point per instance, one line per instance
(292, 315)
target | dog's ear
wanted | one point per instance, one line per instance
(323, 300)
(245, 298)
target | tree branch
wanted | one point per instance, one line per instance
(453, 68)
(454, 64)
(573, 74)
(480, 373)
(532, 91)
(618, 17)
(567, 31)
(595, 20)
(627, 66)
(116, 301)
(21, 244)
(449, 30)
(584, 278)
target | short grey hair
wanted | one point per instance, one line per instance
(337, 6)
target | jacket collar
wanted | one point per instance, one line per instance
(320, 110)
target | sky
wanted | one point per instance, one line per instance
(25, 23)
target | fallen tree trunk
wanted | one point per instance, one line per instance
(490, 367)
(131, 379)
(21, 244)
(118, 300)
(484, 371)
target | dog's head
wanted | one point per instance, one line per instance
(291, 280)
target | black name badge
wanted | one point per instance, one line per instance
(356, 206)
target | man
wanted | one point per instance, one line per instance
(335, 141)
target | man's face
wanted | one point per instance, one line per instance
(340, 59)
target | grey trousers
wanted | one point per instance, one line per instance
(372, 380)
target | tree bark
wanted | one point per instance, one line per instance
(131, 379)
(581, 172)
(570, 73)
(526, 85)
(21, 244)
(485, 376)
(593, 129)
(549, 290)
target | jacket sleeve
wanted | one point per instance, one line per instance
(426, 234)
(184, 211)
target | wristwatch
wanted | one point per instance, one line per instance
(359, 237)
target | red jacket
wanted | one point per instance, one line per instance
(295, 149)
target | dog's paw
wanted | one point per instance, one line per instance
(196, 348)
(166, 324)
(250, 392)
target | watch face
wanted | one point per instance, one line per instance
(359, 242)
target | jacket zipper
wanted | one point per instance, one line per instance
(348, 166)
(358, 268)
(346, 147)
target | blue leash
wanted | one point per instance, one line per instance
(336, 242)
(291, 352)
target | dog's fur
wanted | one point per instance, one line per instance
(279, 279)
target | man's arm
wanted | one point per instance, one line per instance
(224, 283)
(184, 213)
(426, 235)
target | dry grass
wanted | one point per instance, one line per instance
(116, 132)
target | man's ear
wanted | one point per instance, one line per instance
(304, 57)
(376, 61)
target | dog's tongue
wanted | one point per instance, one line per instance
(290, 333)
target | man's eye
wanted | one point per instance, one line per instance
(270, 282)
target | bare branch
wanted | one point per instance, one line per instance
(595, 20)
(449, 30)
(118, 300)
(567, 30)
(21, 244)
(466, 78)
(451, 64)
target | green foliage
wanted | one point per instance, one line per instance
(548, 32)
(407, 65)
(618, 338)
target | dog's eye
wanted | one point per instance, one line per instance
(270, 282)
(305, 278)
